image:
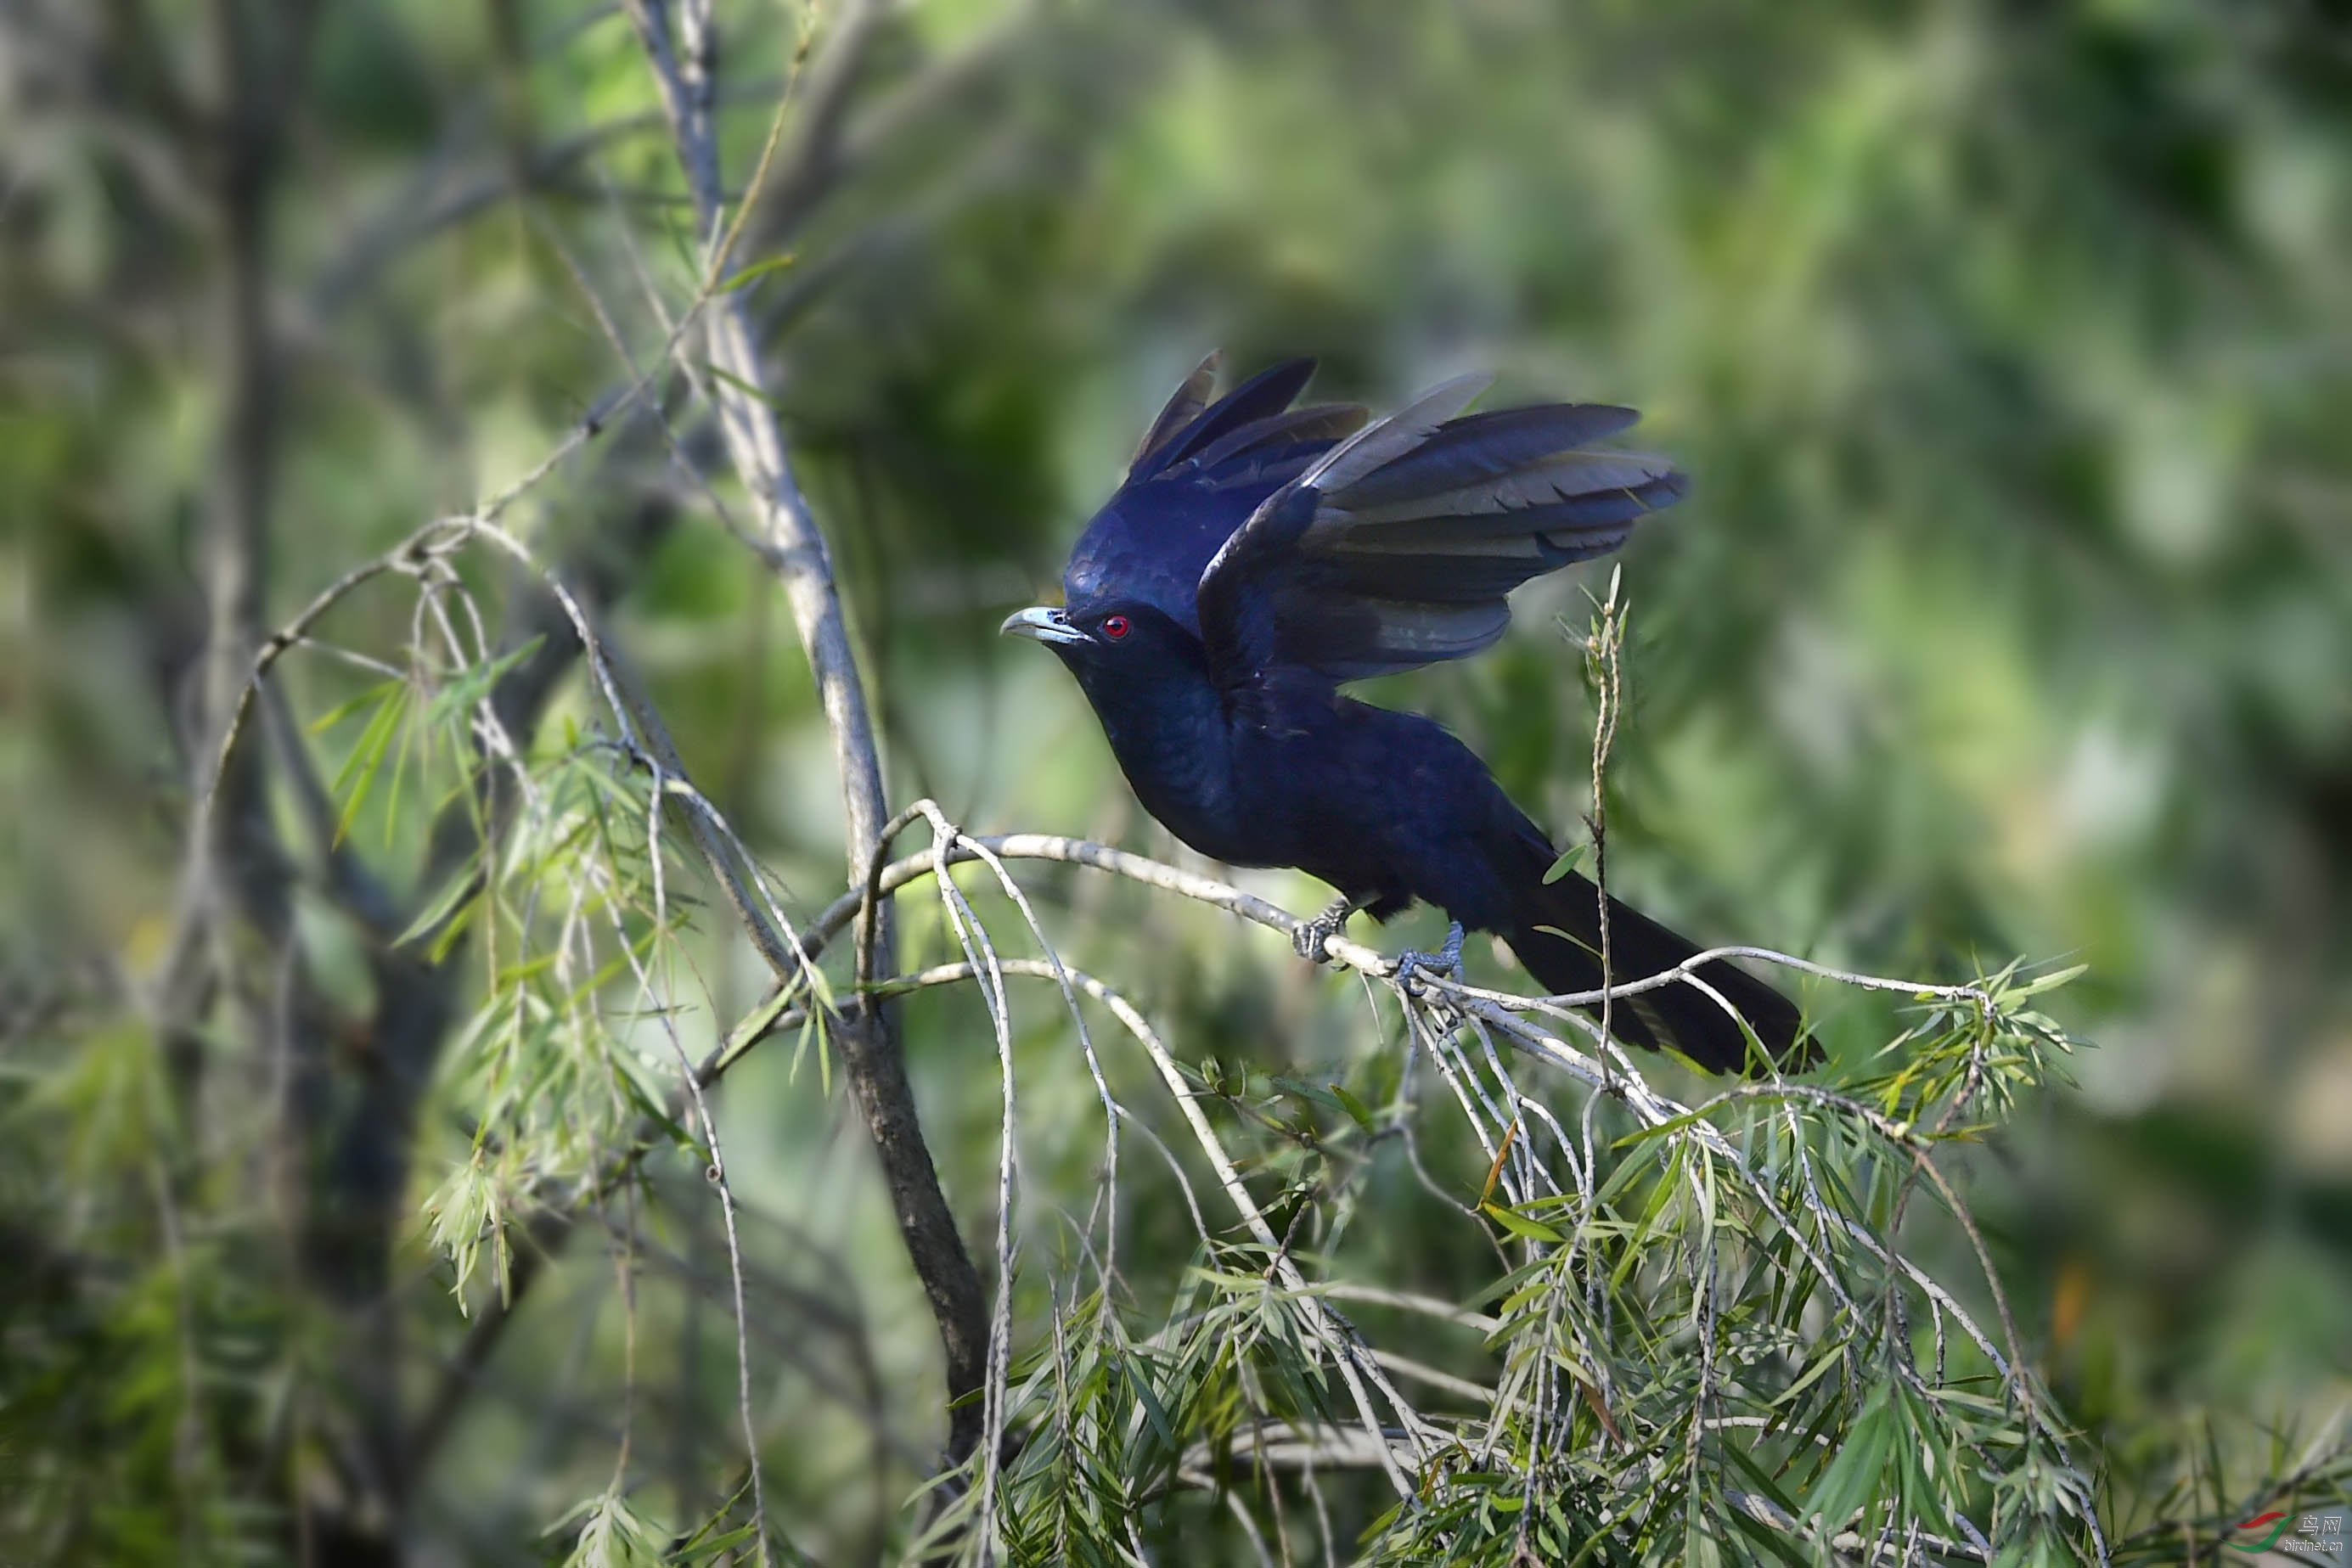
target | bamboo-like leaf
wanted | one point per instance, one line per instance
(359, 772)
(1853, 1476)
(2006, 999)
(344, 710)
(1357, 1110)
(755, 272)
(461, 889)
(1520, 1225)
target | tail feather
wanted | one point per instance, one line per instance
(1678, 1015)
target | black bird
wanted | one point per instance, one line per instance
(1259, 556)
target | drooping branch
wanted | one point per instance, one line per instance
(1357, 1368)
(1677, 1123)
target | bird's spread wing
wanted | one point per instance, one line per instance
(1200, 470)
(1399, 547)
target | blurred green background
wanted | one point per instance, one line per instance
(2009, 345)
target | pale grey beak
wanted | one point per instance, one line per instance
(1042, 623)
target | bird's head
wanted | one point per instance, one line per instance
(1113, 645)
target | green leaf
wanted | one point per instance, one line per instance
(1745, 1462)
(1853, 1479)
(399, 773)
(462, 890)
(1567, 863)
(746, 388)
(755, 272)
(1355, 1108)
(1297, 1090)
(2049, 982)
(1671, 1125)
(366, 760)
(1519, 1225)
(344, 710)
(1767, 1537)
(1149, 1397)
(1832, 1356)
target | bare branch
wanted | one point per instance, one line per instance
(685, 65)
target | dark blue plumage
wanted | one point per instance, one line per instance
(1257, 556)
(1192, 485)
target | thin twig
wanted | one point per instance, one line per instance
(685, 64)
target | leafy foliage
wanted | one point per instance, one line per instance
(2007, 345)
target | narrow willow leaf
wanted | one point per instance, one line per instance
(460, 889)
(1853, 1477)
(344, 710)
(756, 271)
(1520, 1225)
(2049, 982)
(367, 758)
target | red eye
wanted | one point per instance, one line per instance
(1115, 627)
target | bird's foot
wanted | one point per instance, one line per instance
(1308, 940)
(1447, 961)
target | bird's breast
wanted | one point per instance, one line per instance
(1183, 767)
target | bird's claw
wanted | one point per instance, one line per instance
(1412, 964)
(1308, 939)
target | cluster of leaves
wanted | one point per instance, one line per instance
(131, 1389)
(1708, 1342)
(564, 907)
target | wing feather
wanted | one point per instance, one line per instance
(1323, 423)
(1487, 446)
(1400, 546)
(1183, 407)
(1572, 477)
(1384, 441)
(1198, 474)
(1261, 396)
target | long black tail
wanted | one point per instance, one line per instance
(1677, 1015)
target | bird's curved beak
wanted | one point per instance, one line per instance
(1042, 624)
